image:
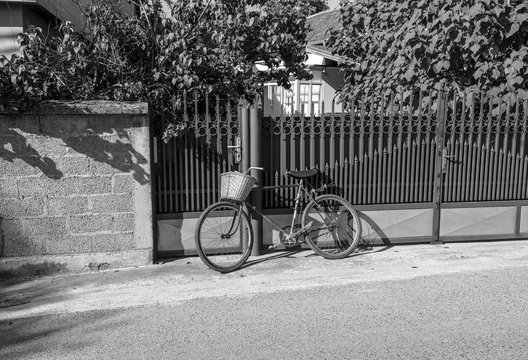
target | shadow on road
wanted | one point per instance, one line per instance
(22, 338)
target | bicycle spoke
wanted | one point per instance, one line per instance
(223, 237)
(333, 220)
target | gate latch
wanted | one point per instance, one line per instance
(444, 159)
(237, 149)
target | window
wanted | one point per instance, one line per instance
(309, 96)
(302, 98)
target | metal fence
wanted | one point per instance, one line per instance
(386, 154)
(378, 151)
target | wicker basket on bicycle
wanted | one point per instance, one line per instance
(235, 186)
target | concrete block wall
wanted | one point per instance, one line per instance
(75, 190)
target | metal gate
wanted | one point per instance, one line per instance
(448, 167)
(482, 168)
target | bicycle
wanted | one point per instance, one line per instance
(224, 234)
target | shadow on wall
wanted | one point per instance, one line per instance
(97, 138)
(20, 149)
(119, 155)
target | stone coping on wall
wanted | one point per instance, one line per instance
(87, 107)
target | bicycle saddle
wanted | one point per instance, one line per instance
(303, 174)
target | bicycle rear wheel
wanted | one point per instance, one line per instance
(336, 227)
(224, 236)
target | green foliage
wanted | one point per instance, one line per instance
(478, 45)
(314, 6)
(196, 45)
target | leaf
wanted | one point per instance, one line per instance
(409, 74)
(513, 29)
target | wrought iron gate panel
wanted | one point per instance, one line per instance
(486, 157)
(187, 167)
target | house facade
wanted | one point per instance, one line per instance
(316, 95)
(17, 15)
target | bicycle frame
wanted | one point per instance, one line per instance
(302, 193)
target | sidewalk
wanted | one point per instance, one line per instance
(186, 279)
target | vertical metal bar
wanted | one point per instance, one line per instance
(522, 188)
(347, 181)
(244, 137)
(449, 177)
(351, 147)
(186, 165)
(302, 144)
(414, 172)
(471, 165)
(489, 162)
(410, 165)
(243, 120)
(462, 184)
(366, 161)
(322, 143)
(165, 193)
(496, 165)
(332, 140)
(481, 152)
(405, 171)
(456, 173)
(438, 177)
(424, 163)
(356, 177)
(516, 178)
(390, 151)
(474, 172)
(524, 181)
(383, 176)
(342, 152)
(312, 136)
(500, 188)
(370, 179)
(255, 127)
(171, 181)
(426, 153)
(282, 192)
(505, 172)
(374, 193)
(398, 158)
(419, 153)
(381, 138)
(508, 182)
(392, 172)
(513, 176)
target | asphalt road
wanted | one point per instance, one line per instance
(459, 315)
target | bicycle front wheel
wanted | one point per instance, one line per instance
(335, 229)
(224, 236)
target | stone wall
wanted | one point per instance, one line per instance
(75, 189)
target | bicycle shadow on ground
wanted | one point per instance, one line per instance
(362, 249)
(284, 253)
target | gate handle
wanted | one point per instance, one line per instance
(238, 149)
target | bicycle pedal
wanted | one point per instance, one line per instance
(273, 247)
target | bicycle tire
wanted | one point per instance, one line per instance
(224, 236)
(329, 235)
